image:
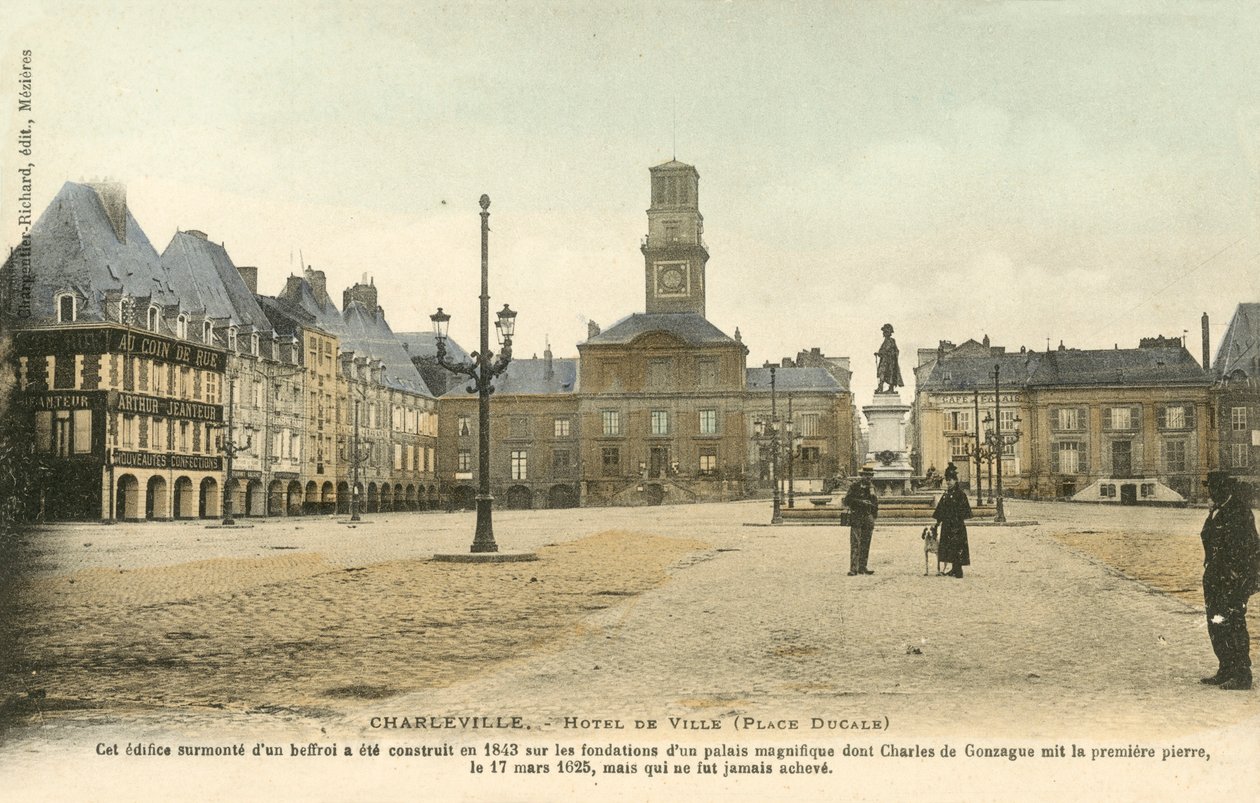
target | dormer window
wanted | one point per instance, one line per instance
(207, 333)
(253, 344)
(231, 338)
(67, 308)
(153, 318)
(181, 327)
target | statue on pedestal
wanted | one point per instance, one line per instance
(887, 370)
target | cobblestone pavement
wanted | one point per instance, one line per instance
(1042, 639)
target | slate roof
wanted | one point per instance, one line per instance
(424, 344)
(1240, 348)
(787, 380)
(528, 378)
(690, 327)
(955, 373)
(285, 318)
(363, 331)
(1141, 366)
(205, 278)
(73, 247)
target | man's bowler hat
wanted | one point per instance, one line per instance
(1218, 478)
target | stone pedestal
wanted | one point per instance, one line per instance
(886, 419)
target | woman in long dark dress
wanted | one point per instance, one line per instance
(951, 515)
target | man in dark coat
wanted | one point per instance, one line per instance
(1231, 549)
(863, 507)
(951, 514)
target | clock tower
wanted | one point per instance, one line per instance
(673, 251)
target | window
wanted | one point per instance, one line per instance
(707, 372)
(207, 333)
(231, 344)
(181, 327)
(185, 441)
(611, 422)
(398, 457)
(1238, 455)
(808, 425)
(1121, 418)
(1174, 417)
(958, 420)
(560, 462)
(128, 431)
(1107, 490)
(1068, 418)
(43, 431)
(708, 422)
(958, 447)
(561, 426)
(465, 424)
(253, 344)
(67, 308)
(660, 422)
(463, 461)
(708, 460)
(1069, 453)
(611, 459)
(1148, 489)
(520, 464)
(811, 454)
(1238, 418)
(1008, 421)
(1174, 456)
(153, 319)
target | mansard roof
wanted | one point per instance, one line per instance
(205, 278)
(690, 327)
(1167, 365)
(969, 371)
(529, 378)
(793, 379)
(424, 344)
(75, 246)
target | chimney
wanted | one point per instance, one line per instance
(318, 283)
(293, 290)
(113, 198)
(250, 275)
(548, 369)
(1207, 345)
(363, 293)
(592, 329)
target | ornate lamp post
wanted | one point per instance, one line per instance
(482, 370)
(998, 441)
(793, 439)
(230, 448)
(357, 458)
(769, 431)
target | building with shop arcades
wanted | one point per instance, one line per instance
(358, 367)
(119, 384)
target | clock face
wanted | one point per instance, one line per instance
(671, 279)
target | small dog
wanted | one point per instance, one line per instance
(931, 546)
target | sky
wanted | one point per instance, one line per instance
(1037, 172)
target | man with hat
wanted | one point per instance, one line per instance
(1231, 549)
(863, 507)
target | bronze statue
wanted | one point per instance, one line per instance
(886, 369)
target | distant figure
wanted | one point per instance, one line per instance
(863, 507)
(887, 370)
(1231, 549)
(951, 516)
(951, 472)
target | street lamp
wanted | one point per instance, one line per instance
(793, 439)
(482, 369)
(230, 448)
(979, 450)
(357, 458)
(768, 431)
(999, 441)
